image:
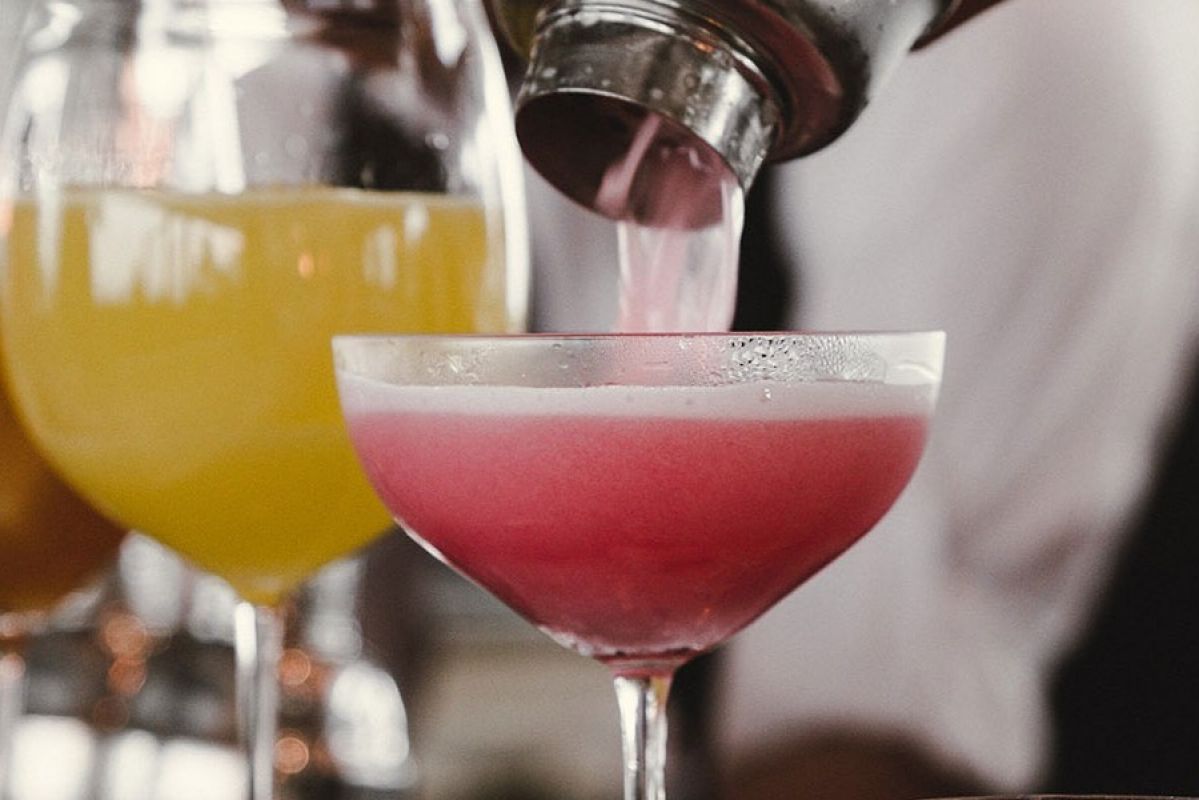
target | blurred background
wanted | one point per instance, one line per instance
(401, 680)
(130, 691)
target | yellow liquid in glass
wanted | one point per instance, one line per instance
(171, 355)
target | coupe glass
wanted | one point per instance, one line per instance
(194, 196)
(640, 498)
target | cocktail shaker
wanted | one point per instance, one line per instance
(746, 80)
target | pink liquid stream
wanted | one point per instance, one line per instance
(675, 276)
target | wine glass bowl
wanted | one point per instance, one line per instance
(640, 498)
(173, 284)
(195, 195)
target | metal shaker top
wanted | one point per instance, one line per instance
(752, 80)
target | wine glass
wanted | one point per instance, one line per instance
(640, 498)
(194, 196)
(51, 542)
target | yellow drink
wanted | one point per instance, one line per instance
(171, 354)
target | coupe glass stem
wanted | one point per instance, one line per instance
(12, 703)
(642, 700)
(258, 646)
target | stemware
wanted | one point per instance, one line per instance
(194, 196)
(640, 498)
(51, 542)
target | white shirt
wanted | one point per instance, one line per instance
(1030, 185)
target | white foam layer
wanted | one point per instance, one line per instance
(760, 400)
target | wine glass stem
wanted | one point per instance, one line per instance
(12, 702)
(642, 701)
(258, 646)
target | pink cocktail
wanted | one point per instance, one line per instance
(639, 498)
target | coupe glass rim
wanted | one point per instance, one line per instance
(899, 344)
(930, 333)
(710, 358)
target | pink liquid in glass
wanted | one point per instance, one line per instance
(638, 525)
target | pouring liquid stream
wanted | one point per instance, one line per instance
(679, 214)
